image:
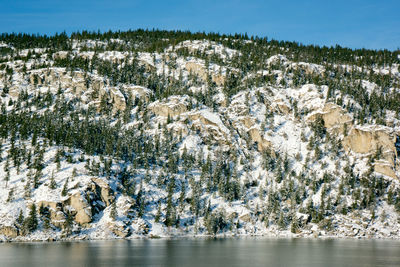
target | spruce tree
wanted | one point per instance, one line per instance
(32, 221)
(65, 188)
(113, 212)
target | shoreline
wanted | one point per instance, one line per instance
(199, 237)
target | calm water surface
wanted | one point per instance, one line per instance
(204, 252)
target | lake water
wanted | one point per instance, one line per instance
(204, 252)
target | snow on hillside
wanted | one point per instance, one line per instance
(189, 140)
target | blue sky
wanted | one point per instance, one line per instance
(351, 23)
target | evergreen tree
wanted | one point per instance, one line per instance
(113, 212)
(65, 188)
(32, 221)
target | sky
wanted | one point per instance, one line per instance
(372, 24)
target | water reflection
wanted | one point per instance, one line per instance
(204, 252)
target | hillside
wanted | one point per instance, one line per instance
(155, 133)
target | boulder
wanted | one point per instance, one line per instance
(119, 229)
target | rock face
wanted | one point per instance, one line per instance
(210, 124)
(361, 140)
(200, 71)
(262, 144)
(118, 99)
(138, 91)
(81, 208)
(57, 215)
(335, 117)
(370, 140)
(102, 189)
(385, 168)
(174, 107)
(9, 231)
(82, 204)
(254, 133)
(119, 229)
(281, 106)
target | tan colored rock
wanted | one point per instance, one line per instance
(262, 144)
(200, 71)
(9, 231)
(335, 118)
(282, 107)
(386, 169)
(79, 87)
(369, 140)
(138, 91)
(118, 99)
(79, 75)
(14, 91)
(119, 229)
(218, 79)
(83, 210)
(206, 124)
(173, 107)
(103, 189)
(248, 122)
(66, 79)
(49, 204)
(57, 218)
(196, 69)
(245, 217)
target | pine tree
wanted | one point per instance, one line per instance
(7, 171)
(158, 215)
(32, 221)
(20, 220)
(170, 214)
(53, 183)
(10, 194)
(65, 188)
(113, 212)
